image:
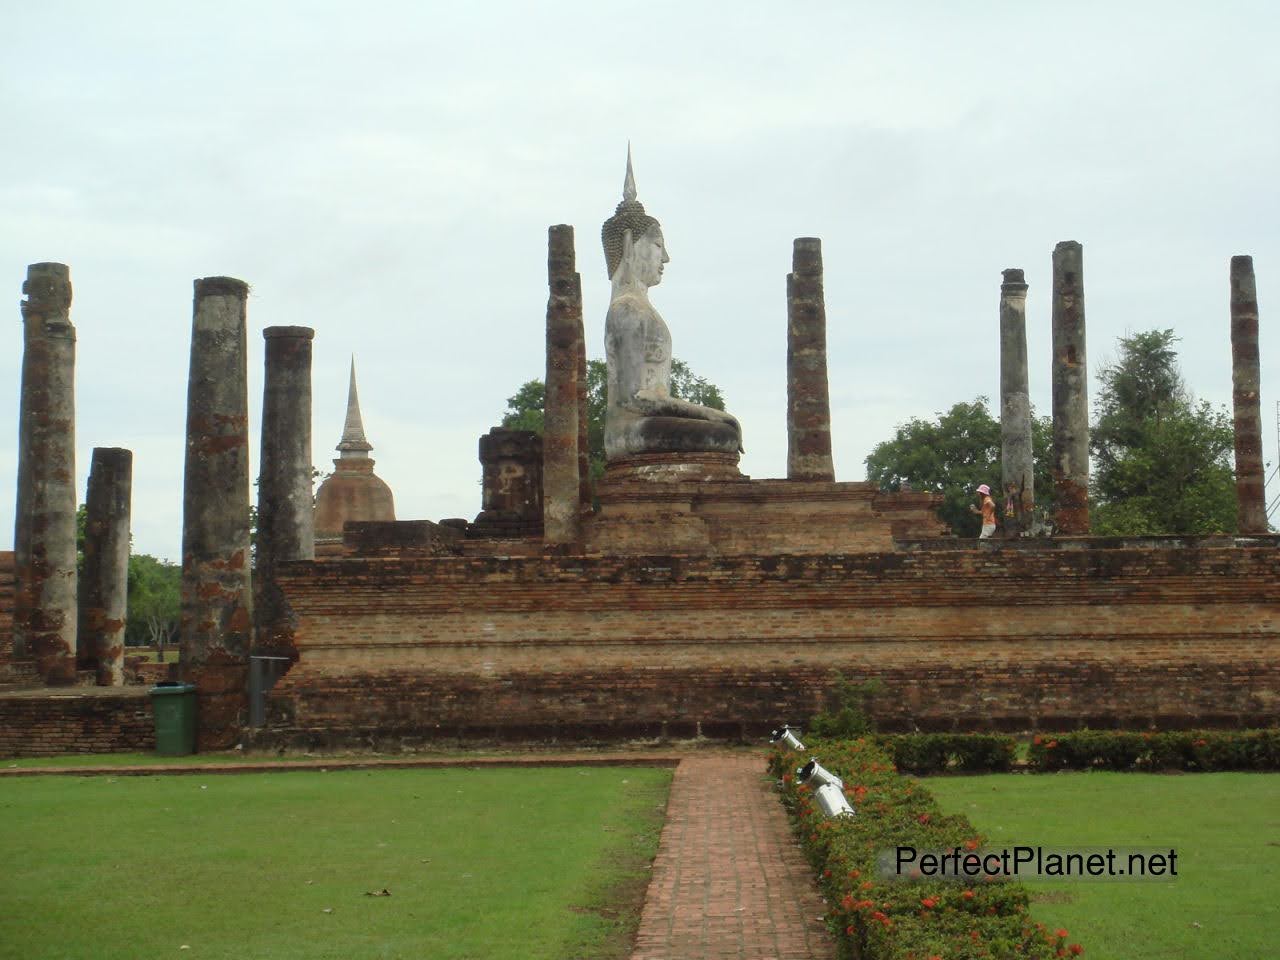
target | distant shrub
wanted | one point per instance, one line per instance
(924, 753)
(846, 712)
(1200, 751)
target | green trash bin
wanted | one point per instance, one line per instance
(174, 705)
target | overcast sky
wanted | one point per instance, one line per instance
(386, 172)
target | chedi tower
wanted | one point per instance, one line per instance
(352, 491)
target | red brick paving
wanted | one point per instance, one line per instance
(729, 880)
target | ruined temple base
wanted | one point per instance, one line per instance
(699, 504)
(397, 653)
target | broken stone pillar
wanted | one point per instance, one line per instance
(1246, 377)
(584, 440)
(286, 514)
(104, 582)
(1070, 392)
(808, 399)
(511, 504)
(216, 600)
(45, 526)
(1017, 465)
(561, 472)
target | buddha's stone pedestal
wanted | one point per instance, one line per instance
(700, 505)
(668, 468)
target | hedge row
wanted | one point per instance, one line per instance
(887, 919)
(1193, 750)
(955, 752)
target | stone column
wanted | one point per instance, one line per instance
(560, 469)
(45, 527)
(584, 441)
(808, 400)
(32, 330)
(1017, 465)
(286, 514)
(1070, 392)
(104, 586)
(216, 599)
(1246, 377)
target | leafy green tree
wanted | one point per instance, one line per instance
(951, 455)
(155, 600)
(1162, 460)
(525, 409)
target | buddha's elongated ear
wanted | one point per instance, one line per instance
(624, 271)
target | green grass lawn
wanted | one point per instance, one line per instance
(485, 864)
(1225, 827)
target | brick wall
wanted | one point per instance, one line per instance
(992, 637)
(38, 723)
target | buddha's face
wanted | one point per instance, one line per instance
(648, 256)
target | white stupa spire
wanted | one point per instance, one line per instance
(353, 441)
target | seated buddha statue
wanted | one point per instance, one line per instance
(641, 415)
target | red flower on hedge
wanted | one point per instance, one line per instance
(1036, 739)
(930, 902)
(1061, 933)
(968, 894)
(923, 818)
(1077, 949)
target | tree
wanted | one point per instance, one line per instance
(155, 600)
(1162, 459)
(951, 456)
(525, 409)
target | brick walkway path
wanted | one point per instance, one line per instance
(729, 881)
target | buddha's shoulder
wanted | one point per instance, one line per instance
(629, 308)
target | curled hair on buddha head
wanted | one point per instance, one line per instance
(629, 215)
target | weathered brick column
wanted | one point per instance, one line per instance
(1070, 392)
(45, 527)
(286, 515)
(808, 396)
(560, 468)
(104, 585)
(216, 600)
(1017, 465)
(584, 441)
(1246, 377)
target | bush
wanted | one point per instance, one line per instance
(923, 753)
(874, 918)
(1200, 751)
(846, 713)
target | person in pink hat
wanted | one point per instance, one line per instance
(988, 511)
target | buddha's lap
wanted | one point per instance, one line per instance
(676, 434)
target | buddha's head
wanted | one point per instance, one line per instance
(633, 235)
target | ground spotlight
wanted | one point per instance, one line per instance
(787, 737)
(816, 775)
(832, 802)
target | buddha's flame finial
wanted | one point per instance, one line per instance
(629, 184)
